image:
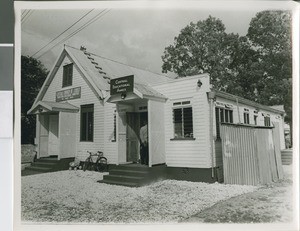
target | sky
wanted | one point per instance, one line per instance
(134, 36)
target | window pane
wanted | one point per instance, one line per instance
(87, 123)
(230, 116)
(218, 122)
(222, 115)
(188, 122)
(226, 116)
(67, 75)
(177, 116)
(90, 126)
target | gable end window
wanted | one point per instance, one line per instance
(87, 122)
(67, 75)
(183, 120)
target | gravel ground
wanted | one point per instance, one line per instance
(75, 196)
(270, 203)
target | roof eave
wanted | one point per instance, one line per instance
(246, 101)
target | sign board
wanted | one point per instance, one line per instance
(121, 85)
(73, 93)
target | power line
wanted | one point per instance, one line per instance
(62, 32)
(92, 20)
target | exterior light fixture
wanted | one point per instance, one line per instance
(123, 95)
(199, 83)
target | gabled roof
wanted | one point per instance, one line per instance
(98, 71)
(101, 69)
(47, 106)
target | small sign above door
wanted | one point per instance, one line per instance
(121, 85)
(73, 93)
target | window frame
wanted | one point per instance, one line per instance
(67, 79)
(221, 114)
(182, 105)
(267, 121)
(85, 137)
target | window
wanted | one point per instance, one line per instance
(183, 120)
(267, 121)
(255, 119)
(246, 116)
(87, 122)
(222, 115)
(67, 75)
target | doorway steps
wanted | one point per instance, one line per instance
(47, 164)
(133, 175)
(287, 156)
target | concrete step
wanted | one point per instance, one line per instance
(126, 172)
(141, 168)
(122, 178)
(48, 159)
(43, 164)
(287, 157)
(121, 183)
(39, 169)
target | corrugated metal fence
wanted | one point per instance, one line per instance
(251, 155)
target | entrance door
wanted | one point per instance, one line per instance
(67, 134)
(132, 137)
(53, 146)
(44, 134)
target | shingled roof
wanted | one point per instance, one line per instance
(101, 69)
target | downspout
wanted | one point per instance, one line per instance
(211, 97)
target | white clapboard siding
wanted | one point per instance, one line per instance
(188, 153)
(87, 97)
(156, 132)
(110, 144)
(274, 117)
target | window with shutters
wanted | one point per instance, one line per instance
(246, 116)
(67, 75)
(183, 120)
(223, 115)
(87, 122)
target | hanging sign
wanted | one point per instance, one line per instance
(73, 93)
(121, 85)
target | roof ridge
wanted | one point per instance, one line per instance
(95, 64)
(120, 62)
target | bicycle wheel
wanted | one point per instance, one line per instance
(86, 165)
(101, 164)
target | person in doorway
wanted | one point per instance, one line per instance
(144, 143)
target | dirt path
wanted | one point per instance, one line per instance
(270, 203)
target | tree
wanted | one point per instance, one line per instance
(33, 74)
(203, 47)
(270, 35)
(257, 66)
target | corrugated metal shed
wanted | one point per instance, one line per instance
(250, 155)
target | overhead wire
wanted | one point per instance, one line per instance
(92, 20)
(63, 32)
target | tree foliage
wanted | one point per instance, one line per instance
(257, 66)
(33, 74)
(202, 47)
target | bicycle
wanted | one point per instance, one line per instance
(95, 161)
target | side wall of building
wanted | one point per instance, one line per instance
(188, 153)
(88, 96)
(238, 117)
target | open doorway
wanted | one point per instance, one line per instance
(135, 120)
